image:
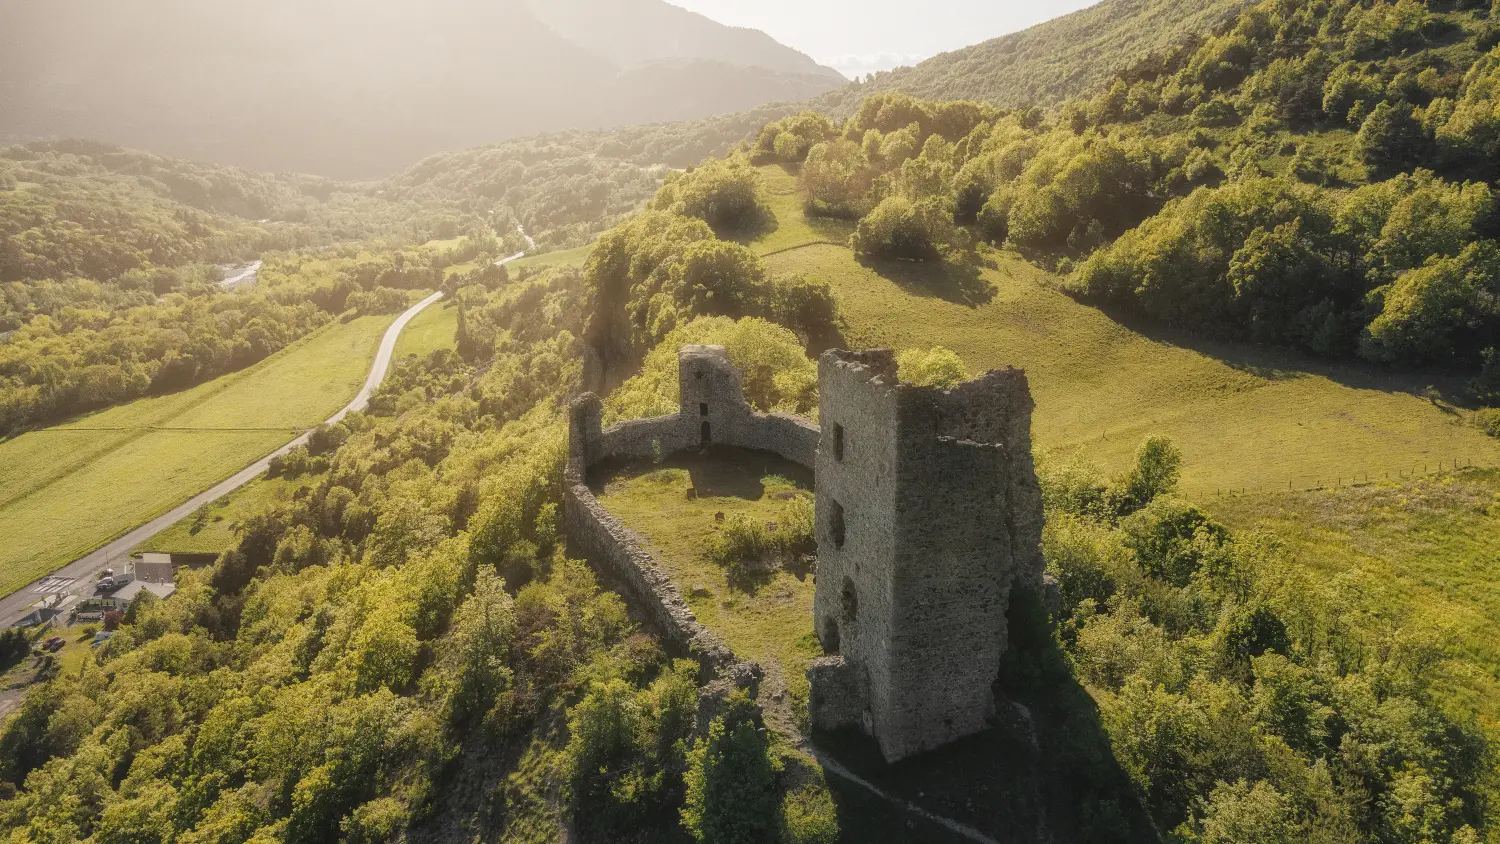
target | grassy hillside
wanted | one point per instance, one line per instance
(1244, 419)
(67, 490)
(1418, 553)
(1051, 62)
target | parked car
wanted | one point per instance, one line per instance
(115, 581)
(54, 644)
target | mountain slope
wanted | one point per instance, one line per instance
(348, 89)
(630, 32)
(1053, 61)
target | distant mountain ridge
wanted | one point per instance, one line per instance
(630, 32)
(1075, 54)
(349, 89)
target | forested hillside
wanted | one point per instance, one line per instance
(403, 651)
(1048, 63)
(316, 87)
(1313, 176)
(108, 284)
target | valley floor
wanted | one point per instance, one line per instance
(71, 488)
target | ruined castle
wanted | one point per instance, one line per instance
(929, 516)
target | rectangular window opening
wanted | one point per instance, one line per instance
(703, 409)
(836, 526)
(838, 443)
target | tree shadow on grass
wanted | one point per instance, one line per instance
(1045, 771)
(1446, 389)
(754, 227)
(959, 282)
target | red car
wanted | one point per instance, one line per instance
(54, 644)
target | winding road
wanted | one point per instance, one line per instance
(82, 571)
(17, 606)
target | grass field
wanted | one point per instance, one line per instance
(1243, 418)
(564, 258)
(769, 621)
(69, 489)
(216, 531)
(1422, 553)
(433, 329)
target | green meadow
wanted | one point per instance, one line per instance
(1244, 419)
(1420, 553)
(214, 529)
(69, 489)
(433, 329)
(562, 258)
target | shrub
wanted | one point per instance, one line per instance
(905, 230)
(805, 305)
(730, 781)
(808, 816)
(1486, 387)
(1488, 421)
(837, 179)
(741, 542)
(937, 367)
(724, 194)
(381, 300)
(1158, 464)
(375, 822)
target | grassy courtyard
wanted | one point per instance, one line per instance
(66, 490)
(769, 619)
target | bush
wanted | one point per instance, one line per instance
(805, 305)
(1488, 421)
(808, 816)
(724, 194)
(381, 300)
(741, 542)
(1158, 465)
(730, 780)
(937, 367)
(904, 230)
(837, 179)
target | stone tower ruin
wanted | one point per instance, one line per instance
(929, 516)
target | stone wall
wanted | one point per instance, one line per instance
(928, 516)
(713, 410)
(600, 537)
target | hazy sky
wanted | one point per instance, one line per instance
(857, 36)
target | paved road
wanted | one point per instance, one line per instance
(530, 246)
(83, 571)
(245, 279)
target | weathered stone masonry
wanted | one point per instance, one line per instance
(929, 514)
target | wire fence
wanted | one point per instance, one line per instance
(1356, 480)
